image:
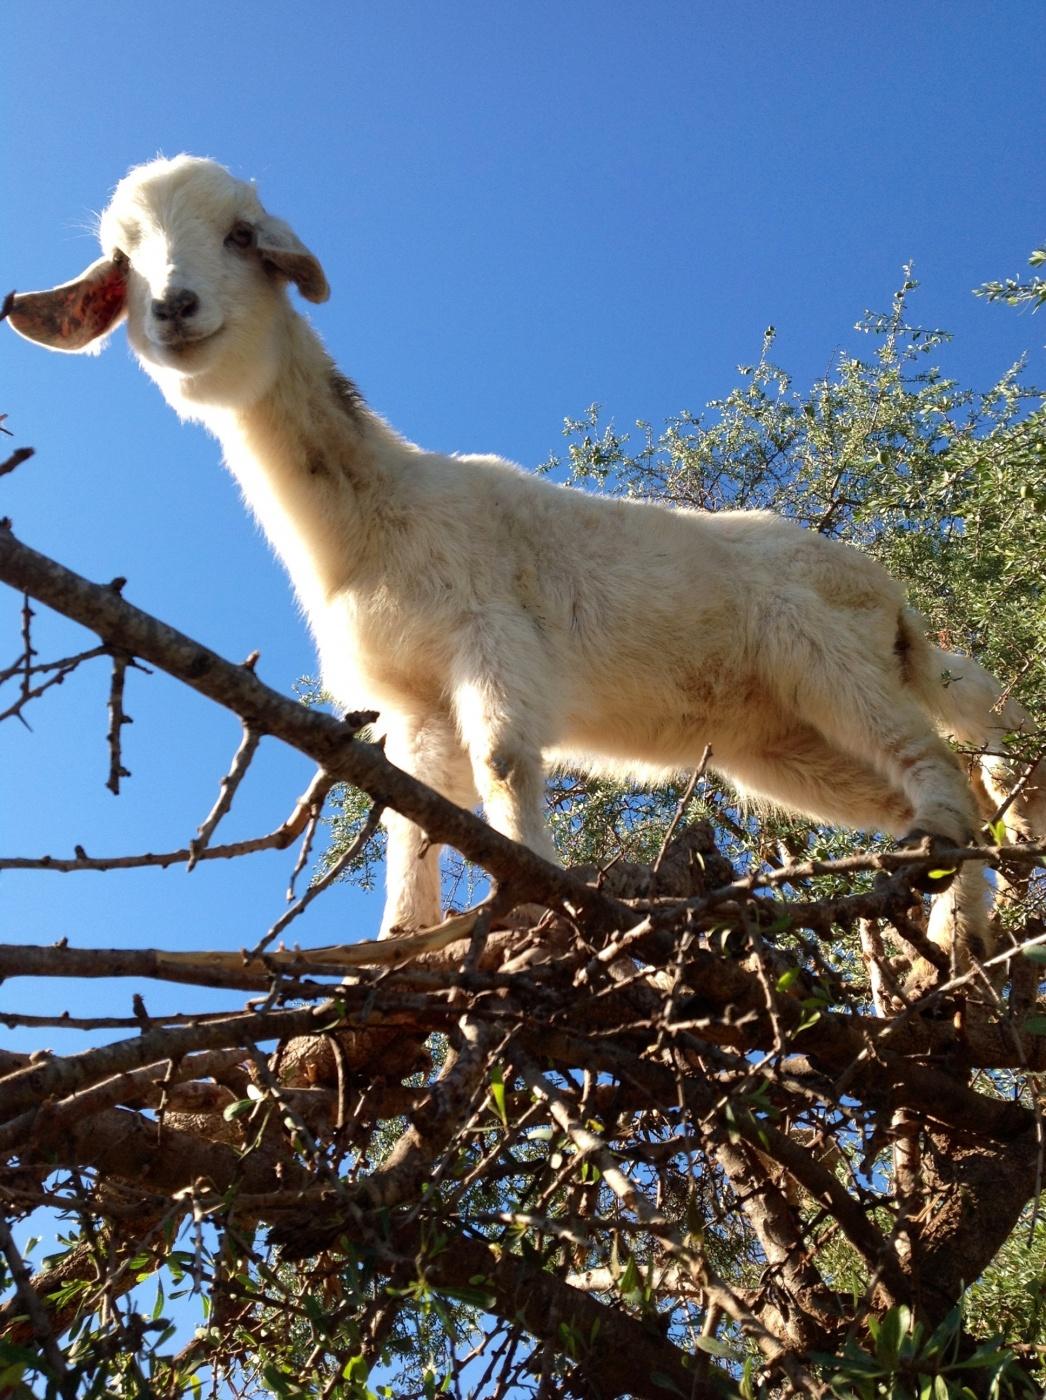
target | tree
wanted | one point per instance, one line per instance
(683, 1133)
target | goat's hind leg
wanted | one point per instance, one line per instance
(798, 768)
(972, 705)
(502, 726)
(864, 708)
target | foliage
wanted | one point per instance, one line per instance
(1016, 293)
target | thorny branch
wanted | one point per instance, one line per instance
(117, 719)
(667, 1134)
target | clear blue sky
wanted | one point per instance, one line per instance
(521, 209)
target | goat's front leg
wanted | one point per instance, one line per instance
(412, 878)
(430, 751)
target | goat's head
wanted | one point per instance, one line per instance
(197, 267)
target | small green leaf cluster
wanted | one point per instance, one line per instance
(905, 1360)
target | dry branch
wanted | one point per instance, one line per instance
(227, 791)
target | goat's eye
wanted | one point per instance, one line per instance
(120, 259)
(240, 236)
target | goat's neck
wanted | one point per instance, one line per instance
(313, 463)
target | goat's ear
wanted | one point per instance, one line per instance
(281, 248)
(75, 315)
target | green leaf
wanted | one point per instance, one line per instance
(237, 1109)
(355, 1369)
(714, 1347)
(497, 1093)
(894, 1327)
(472, 1297)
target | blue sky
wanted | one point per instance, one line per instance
(521, 209)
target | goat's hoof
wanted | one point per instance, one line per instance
(933, 880)
(923, 979)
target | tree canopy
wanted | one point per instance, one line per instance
(662, 1122)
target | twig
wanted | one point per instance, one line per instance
(327, 879)
(893, 861)
(117, 719)
(66, 663)
(64, 1021)
(27, 646)
(681, 806)
(227, 791)
(34, 692)
(17, 457)
(317, 796)
(277, 840)
(1016, 791)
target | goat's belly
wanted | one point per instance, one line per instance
(634, 742)
(404, 678)
(357, 687)
(650, 722)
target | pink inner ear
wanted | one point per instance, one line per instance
(71, 316)
(103, 301)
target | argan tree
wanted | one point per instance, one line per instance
(667, 1121)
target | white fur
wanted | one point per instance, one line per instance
(500, 622)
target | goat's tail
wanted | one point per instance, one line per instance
(968, 704)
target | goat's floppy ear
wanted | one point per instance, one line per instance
(73, 316)
(281, 248)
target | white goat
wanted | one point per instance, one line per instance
(498, 621)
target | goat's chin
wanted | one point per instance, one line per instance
(216, 371)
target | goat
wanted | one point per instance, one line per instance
(499, 621)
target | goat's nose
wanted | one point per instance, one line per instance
(176, 306)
